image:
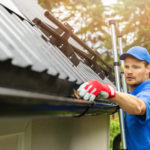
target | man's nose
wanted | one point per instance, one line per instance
(129, 71)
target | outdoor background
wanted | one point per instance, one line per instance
(90, 21)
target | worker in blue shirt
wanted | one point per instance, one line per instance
(136, 103)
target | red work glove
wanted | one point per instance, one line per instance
(89, 90)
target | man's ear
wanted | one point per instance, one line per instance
(148, 68)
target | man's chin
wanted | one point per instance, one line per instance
(130, 82)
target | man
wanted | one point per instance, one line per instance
(136, 103)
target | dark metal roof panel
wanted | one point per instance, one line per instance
(88, 72)
(52, 51)
(29, 49)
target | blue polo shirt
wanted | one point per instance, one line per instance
(138, 127)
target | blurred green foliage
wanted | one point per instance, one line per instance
(135, 15)
(114, 128)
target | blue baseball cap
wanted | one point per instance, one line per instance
(138, 52)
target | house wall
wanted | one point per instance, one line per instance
(15, 134)
(90, 133)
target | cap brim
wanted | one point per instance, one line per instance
(123, 56)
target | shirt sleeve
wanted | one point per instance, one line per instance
(145, 96)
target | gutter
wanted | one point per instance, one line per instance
(20, 103)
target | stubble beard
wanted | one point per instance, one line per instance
(133, 86)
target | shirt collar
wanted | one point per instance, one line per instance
(140, 87)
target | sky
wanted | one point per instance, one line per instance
(105, 2)
(109, 2)
(12, 6)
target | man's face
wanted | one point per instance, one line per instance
(136, 71)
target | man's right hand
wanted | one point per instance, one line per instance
(89, 90)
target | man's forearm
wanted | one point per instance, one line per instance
(130, 103)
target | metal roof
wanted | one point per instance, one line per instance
(22, 43)
(30, 62)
